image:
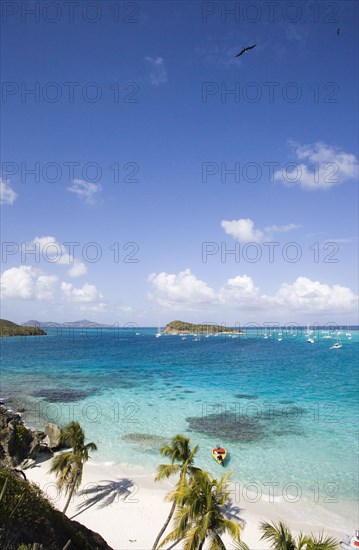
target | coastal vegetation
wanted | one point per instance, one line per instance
(202, 513)
(181, 456)
(177, 327)
(8, 328)
(68, 466)
(27, 518)
(281, 538)
(198, 501)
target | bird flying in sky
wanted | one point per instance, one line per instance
(246, 50)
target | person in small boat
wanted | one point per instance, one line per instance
(218, 452)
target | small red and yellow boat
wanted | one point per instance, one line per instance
(219, 454)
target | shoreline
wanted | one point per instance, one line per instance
(114, 492)
(128, 508)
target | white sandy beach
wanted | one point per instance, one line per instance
(127, 508)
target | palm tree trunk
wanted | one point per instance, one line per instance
(3, 488)
(71, 492)
(165, 526)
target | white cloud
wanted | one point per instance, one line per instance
(87, 293)
(7, 195)
(26, 283)
(322, 167)
(314, 296)
(281, 228)
(55, 253)
(243, 230)
(183, 291)
(85, 190)
(173, 290)
(77, 270)
(158, 74)
(45, 287)
(43, 242)
(239, 290)
(99, 308)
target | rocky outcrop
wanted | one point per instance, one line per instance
(17, 442)
(52, 436)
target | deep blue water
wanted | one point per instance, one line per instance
(287, 411)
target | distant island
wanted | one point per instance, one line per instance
(84, 323)
(182, 327)
(8, 328)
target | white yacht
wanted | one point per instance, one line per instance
(337, 345)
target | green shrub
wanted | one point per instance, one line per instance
(27, 517)
(20, 432)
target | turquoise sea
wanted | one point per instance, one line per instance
(286, 410)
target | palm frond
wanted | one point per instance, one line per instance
(91, 446)
(73, 435)
(223, 481)
(174, 535)
(232, 528)
(68, 465)
(175, 496)
(279, 535)
(322, 542)
(281, 538)
(216, 543)
(240, 545)
(166, 470)
(194, 537)
(60, 461)
(302, 541)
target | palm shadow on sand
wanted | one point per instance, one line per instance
(104, 493)
(232, 511)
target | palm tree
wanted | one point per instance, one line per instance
(279, 536)
(282, 539)
(200, 515)
(68, 466)
(181, 456)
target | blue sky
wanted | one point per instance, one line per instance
(133, 132)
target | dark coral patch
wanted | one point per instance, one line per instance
(260, 425)
(62, 395)
(229, 426)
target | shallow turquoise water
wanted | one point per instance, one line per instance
(285, 410)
